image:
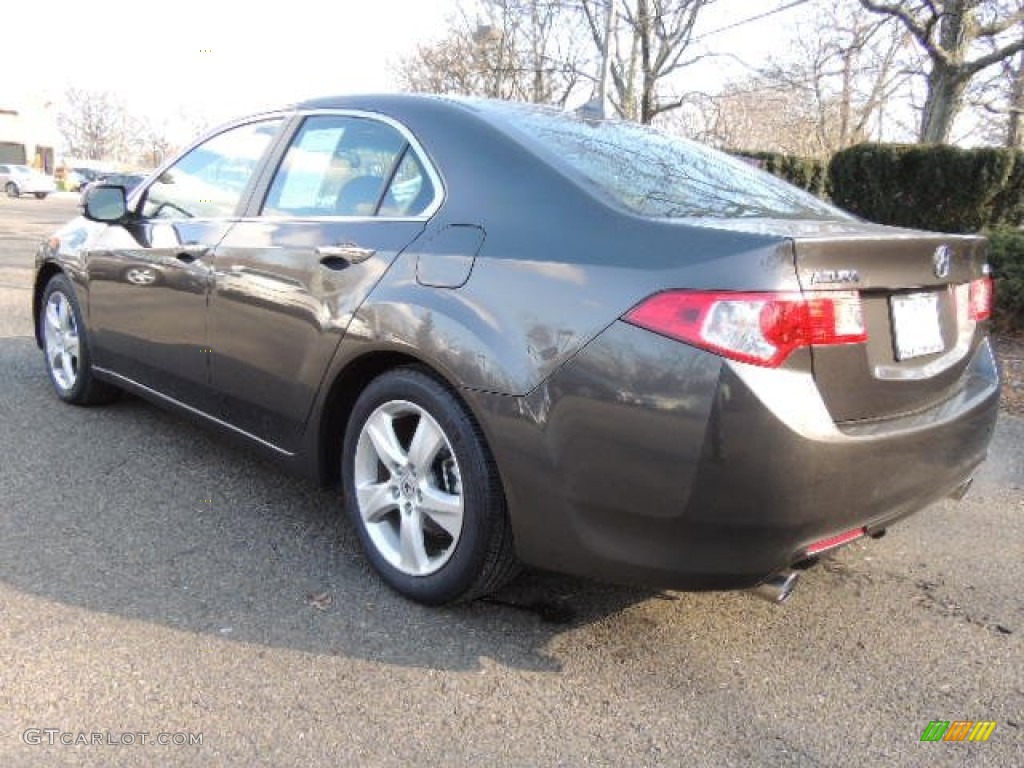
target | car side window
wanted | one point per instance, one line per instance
(338, 166)
(411, 189)
(208, 181)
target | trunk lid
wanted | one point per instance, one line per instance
(914, 289)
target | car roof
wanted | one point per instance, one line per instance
(413, 102)
(359, 101)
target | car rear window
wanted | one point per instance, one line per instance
(654, 174)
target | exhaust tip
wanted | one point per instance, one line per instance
(777, 588)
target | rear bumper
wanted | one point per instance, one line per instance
(644, 460)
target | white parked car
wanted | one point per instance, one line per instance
(17, 180)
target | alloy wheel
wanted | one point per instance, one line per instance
(408, 488)
(60, 335)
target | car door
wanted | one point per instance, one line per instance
(149, 278)
(350, 193)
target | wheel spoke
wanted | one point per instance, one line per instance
(445, 509)
(68, 364)
(62, 312)
(52, 317)
(413, 551)
(426, 442)
(375, 501)
(381, 429)
(53, 350)
(71, 347)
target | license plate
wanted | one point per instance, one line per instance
(915, 320)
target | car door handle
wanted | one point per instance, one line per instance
(344, 255)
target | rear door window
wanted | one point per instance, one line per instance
(348, 166)
(411, 190)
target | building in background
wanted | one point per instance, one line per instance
(29, 134)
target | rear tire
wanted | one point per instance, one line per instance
(423, 492)
(12, 189)
(40, 195)
(66, 347)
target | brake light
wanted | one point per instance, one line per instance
(759, 328)
(980, 302)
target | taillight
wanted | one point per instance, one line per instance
(758, 328)
(980, 302)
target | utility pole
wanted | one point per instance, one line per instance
(598, 105)
(487, 35)
(606, 57)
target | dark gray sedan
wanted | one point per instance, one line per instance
(511, 335)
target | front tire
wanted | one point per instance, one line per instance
(12, 189)
(423, 492)
(40, 195)
(66, 347)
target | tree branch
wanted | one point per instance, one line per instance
(921, 32)
(998, 27)
(973, 67)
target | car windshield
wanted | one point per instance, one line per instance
(653, 174)
(21, 170)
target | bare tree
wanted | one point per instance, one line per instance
(546, 38)
(511, 49)
(847, 65)
(95, 124)
(752, 114)
(648, 47)
(538, 50)
(1015, 108)
(996, 103)
(458, 64)
(949, 33)
(156, 138)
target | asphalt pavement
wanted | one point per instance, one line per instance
(158, 583)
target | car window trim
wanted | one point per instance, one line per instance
(253, 211)
(139, 194)
(390, 178)
(268, 169)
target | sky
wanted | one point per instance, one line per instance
(219, 56)
(218, 59)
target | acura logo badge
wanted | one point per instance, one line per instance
(942, 260)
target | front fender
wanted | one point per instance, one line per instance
(64, 252)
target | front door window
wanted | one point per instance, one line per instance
(209, 181)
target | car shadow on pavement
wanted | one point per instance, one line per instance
(128, 510)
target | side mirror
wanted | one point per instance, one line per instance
(105, 203)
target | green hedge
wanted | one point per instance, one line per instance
(805, 172)
(932, 187)
(1006, 255)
